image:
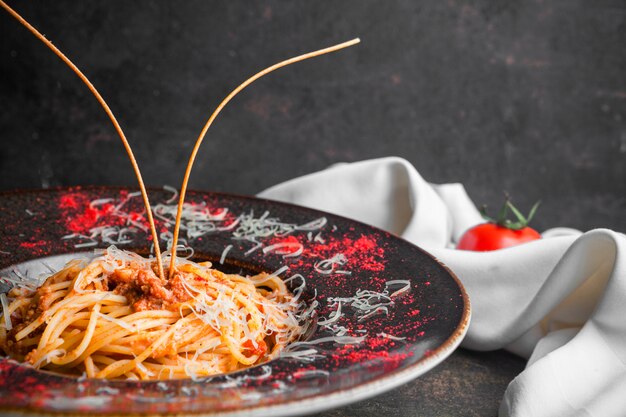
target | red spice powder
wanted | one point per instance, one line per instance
(33, 245)
(68, 201)
(350, 354)
(80, 216)
(360, 356)
(88, 219)
(379, 342)
(362, 253)
(288, 239)
(29, 380)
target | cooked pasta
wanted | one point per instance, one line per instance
(115, 318)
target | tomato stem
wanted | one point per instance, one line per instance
(503, 220)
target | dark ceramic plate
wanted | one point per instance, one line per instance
(417, 318)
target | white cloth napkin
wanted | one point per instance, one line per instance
(559, 301)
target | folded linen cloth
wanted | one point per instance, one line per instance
(559, 301)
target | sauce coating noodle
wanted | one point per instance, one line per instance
(115, 318)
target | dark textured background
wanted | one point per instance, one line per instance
(523, 96)
(527, 97)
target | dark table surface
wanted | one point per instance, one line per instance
(467, 384)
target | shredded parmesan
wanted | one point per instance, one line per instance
(307, 355)
(276, 273)
(374, 312)
(310, 373)
(267, 372)
(367, 303)
(100, 201)
(107, 391)
(21, 281)
(224, 253)
(174, 192)
(86, 244)
(391, 337)
(118, 322)
(191, 373)
(286, 249)
(252, 228)
(295, 254)
(332, 317)
(342, 340)
(5, 311)
(255, 248)
(328, 266)
(56, 353)
(405, 288)
(318, 238)
(197, 220)
(190, 391)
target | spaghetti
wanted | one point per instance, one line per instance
(115, 318)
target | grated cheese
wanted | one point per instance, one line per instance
(174, 192)
(332, 317)
(119, 322)
(270, 276)
(377, 310)
(276, 273)
(197, 220)
(107, 391)
(405, 288)
(224, 253)
(5, 312)
(285, 249)
(342, 340)
(86, 245)
(307, 355)
(310, 373)
(100, 201)
(388, 336)
(328, 266)
(21, 280)
(56, 353)
(318, 238)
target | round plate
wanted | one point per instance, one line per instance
(416, 312)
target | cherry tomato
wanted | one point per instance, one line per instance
(491, 236)
(500, 232)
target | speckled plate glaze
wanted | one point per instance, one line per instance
(420, 328)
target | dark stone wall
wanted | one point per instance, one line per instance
(523, 96)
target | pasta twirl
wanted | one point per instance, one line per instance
(115, 318)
